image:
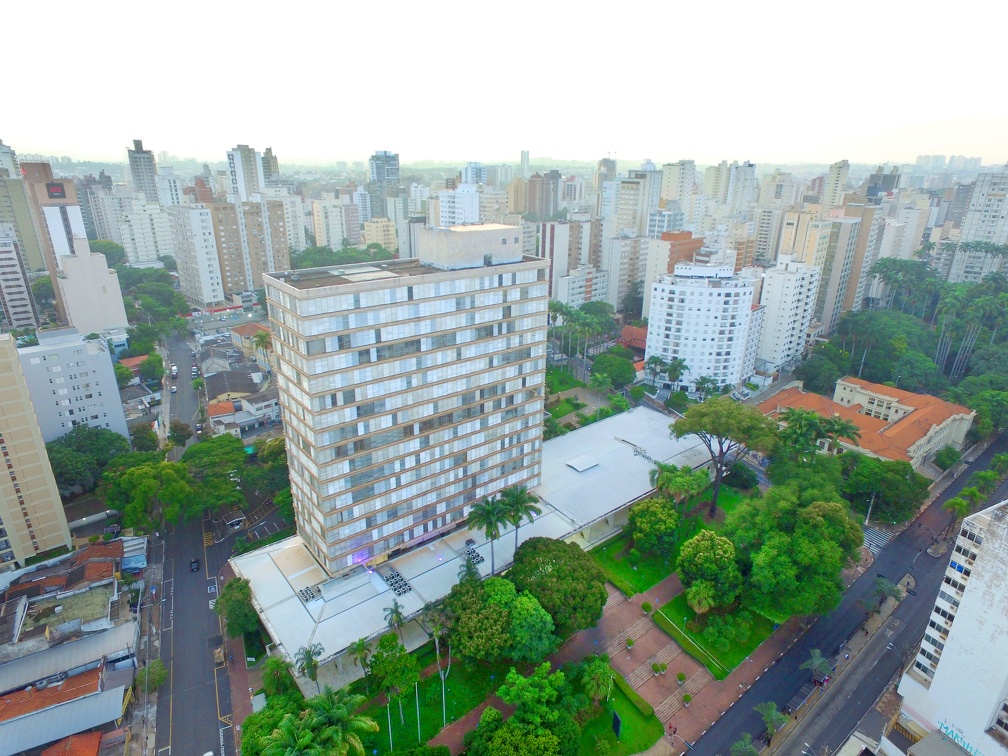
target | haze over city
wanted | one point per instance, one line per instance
(784, 83)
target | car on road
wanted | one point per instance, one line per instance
(174, 389)
(194, 565)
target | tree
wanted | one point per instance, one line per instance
(261, 341)
(360, 650)
(532, 638)
(773, 718)
(394, 617)
(600, 383)
(676, 369)
(276, 678)
(152, 676)
(702, 596)
(632, 304)
(123, 374)
(534, 696)
(679, 483)
(234, 604)
(619, 369)
(114, 253)
(725, 427)
(710, 558)
(744, 746)
(802, 430)
(519, 505)
(257, 726)
(396, 670)
(71, 468)
(152, 369)
(597, 678)
(565, 580)
(958, 508)
(294, 736)
(885, 589)
(332, 716)
(179, 432)
(143, 438)
(985, 481)
(817, 664)
(654, 367)
(707, 387)
(947, 456)
(480, 629)
(488, 516)
(216, 459)
(306, 661)
(653, 524)
(42, 290)
(892, 488)
(436, 620)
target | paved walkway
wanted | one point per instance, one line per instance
(243, 681)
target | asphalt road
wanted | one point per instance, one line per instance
(194, 706)
(904, 554)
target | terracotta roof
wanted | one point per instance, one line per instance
(132, 362)
(220, 408)
(99, 550)
(634, 337)
(98, 570)
(30, 700)
(248, 330)
(82, 744)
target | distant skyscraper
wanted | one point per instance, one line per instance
(605, 171)
(524, 164)
(544, 193)
(199, 268)
(677, 180)
(270, 166)
(833, 187)
(31, 511)
(474, 173)
(245, 171)
(143, 171)
(383, 174)
(16, 301)
(9, 161)
(16, 210)
(460, 207)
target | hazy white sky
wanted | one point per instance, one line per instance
(803, 81)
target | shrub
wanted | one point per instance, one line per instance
(152, 676)
(741, 476)
(678, 401)
(646, 607)
(947, 457)
(639, 703)
(637, 393)
(687, 699)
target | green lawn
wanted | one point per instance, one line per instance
(637, 732)
(564, 407)
(676, 613)
(465, 689)
(558, 379)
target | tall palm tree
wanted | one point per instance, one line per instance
(836, 428)
(394, 618)
(306, 661)
(520, 505)
(744, 746)
(468, 570)
(679, 484)
(261, 341)
(985, 481)
(435, 620)
(600, 383)
(360, 650)
(331, 715)
(676, 369)
(802, 429)
(276, 676)
(999, 464)
(885, 589)
(488, 516)
(817, 664)
(294, 736)
(959, 508)
(772, 718)
(655, 365)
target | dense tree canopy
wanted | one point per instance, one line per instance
(619, 369)
(567, 582)
(234, 604)
(710, 558)
(653, 525)
(79, 457)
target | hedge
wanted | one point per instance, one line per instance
(639, 703)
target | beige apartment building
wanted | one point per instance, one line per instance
(411, 389)
(32, 520)
(381, 231)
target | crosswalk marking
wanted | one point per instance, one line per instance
(876, 540)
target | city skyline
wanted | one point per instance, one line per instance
(741, 83)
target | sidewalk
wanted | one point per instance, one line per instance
(243, 681)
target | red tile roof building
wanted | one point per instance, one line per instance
(894, 424)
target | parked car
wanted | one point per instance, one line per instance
(194, 565)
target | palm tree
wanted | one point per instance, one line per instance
(276, 677)
(261, 341)
(331, 715)
(468, 570)
(597, 678)
(488, 516)
(885, 589)
(655, 365)
(999, 464)
(985, 481)
(744, 746)
(394, 618)
(294, 736)
(973, 496)
(700, 596)
(361, 652)
(306, 661)
(436, 622)
(600, 383)
(817, 664)
(675, 370)
(706, 386)
(679, 484)
(802, 429)
(772, 718)
(520, 505)
(959, 508)
(836, 428)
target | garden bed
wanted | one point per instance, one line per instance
(637, 732)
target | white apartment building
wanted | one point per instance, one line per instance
(365, 211)
(90, 291)
(145, 231)
(567, 245)
(411, 389)
(419, 194)
(625, 258)
(581, 285)
(293, 213)
(108, 208)
(788, 295)
(474, 173)
(459, 207)
(833, 187)
(493, 203)
(335, 219)
(143, 171)
(169, 188)
(702, 315)
(16, 300)
(985, 222)
(677, 182)
(244, 172)
(196, 256)
(957, 685)
(71, 382)
(780, 190)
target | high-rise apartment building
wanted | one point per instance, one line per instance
(381, 231)
(957, 687)
(17, 305)
(199, 268)
(383, 172)
(788, 295)
(474, 173)
(170, 188)
(625, 258)
(411, 389)
(244, 172)
(459, 207)
(702, 315)
(32, 520)
(335, 220)
(270, 166)
(743, 188)
(833, 187)
(605, 171)
(524, 164)
(16, 210)
(517, 192)
(145, 233)
(71, 382)
(9, 161)
(840, 252)
(143, 171)
(569, 245)
(677, 180)
(544, 194)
